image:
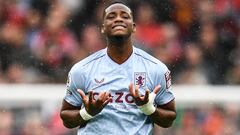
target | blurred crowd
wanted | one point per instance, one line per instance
(201, 120)
(199, 40)
(205, 120)
(31, 121)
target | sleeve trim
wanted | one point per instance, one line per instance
(71, 102)
(170, 98)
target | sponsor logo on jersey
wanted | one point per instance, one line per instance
(140, 78)
(99, 81)
(117, 97)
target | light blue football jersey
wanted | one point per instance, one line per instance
(121, 116)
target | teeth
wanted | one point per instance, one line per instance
(118, 27)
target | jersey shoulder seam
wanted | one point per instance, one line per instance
(146, 58)
(96, 58)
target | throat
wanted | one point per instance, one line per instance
(119, 48)
(118, 39)
(119, 54)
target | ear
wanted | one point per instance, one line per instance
(134, 27)
(102, 29)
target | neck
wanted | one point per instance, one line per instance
(119, 49)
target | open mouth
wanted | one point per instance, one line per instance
(118, 26)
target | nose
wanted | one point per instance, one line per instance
(119, 19)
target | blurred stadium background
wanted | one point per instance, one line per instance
(199, 40)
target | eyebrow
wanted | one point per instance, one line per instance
(128, 11)
(122, 12)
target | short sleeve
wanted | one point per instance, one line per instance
(163, 77)
(74, 82)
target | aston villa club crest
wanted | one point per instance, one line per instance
(140, 78)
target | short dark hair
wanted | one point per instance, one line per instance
(108, 3)
(111, 2)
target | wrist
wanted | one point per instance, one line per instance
(149, 107)
(85, 115)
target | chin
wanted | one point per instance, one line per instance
(118, 38)
(119, 35)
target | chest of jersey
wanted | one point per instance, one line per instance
(114, 78)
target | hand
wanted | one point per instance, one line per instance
(93, 106)
(143, 99)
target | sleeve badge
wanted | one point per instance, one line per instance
(168, 79)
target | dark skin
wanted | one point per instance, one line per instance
(118, 27)
(164, 114)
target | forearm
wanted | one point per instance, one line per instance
(72, 118)
(163, 117)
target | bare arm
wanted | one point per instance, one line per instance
(70, 114)
(164, 114)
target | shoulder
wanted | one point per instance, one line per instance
(149, 59)
(145, 56)
(88, 61)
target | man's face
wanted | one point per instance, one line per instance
(118, 21)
